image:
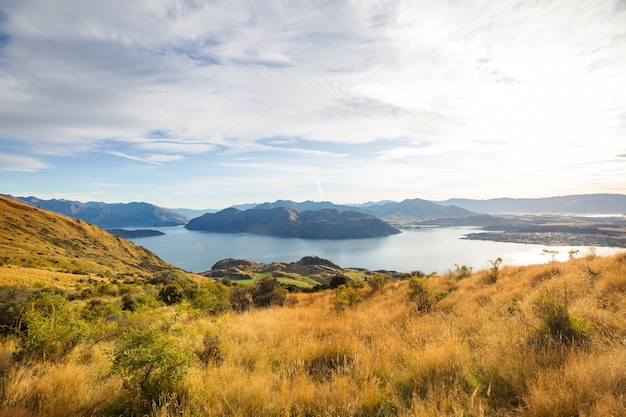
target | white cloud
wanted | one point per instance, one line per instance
(505, 81)
(10, 162)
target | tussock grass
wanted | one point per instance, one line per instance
(485, 348)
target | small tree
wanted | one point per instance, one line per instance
(494, 269)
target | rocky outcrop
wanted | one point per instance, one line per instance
(289, 222)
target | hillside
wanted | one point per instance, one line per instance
(33, 239)
(289, 222)
(110, 216)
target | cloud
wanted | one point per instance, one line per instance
(10, 162)
(320, 190)
(148, 160)
(376, 83)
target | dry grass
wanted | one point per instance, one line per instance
(478, 353)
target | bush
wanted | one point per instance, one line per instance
(460, 272)
(152, 365)
(52, 327)
(171, 294)
(336, 281)
(11, 309)
(556, 323)
(494, 269)
(378, 281)
(211, 298)
(420, 295)
(268, 292)
(211, 352)
(345, 296)
(240, 299)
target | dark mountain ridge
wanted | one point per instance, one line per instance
(291, 222)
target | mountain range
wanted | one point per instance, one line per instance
(108, 215)
(326, 223)
(407, 209)
(571, 204)
(119, 215)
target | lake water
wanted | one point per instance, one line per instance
(427, 250)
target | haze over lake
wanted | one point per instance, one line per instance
(427, 250)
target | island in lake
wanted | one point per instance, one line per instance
(130, 234)
(290, 222)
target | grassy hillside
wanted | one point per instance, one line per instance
(40, 245)
(543, 340)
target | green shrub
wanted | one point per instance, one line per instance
(171, 294)
(557, 325)
(152, 364)
(11, 309)
(378, 282)
(420, 295)
(52, 327)
(211, 298)
(345, 296)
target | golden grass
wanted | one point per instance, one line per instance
(477, 353)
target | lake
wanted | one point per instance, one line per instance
(427, 250)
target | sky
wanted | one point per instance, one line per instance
(207, 104)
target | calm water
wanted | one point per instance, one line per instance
(427, 250)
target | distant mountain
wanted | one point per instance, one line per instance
(110, 216)
(291, 222)
(306, 205)
(415, 209)
(407, 209)
(191, 213)
(572, 204)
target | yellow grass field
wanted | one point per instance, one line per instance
(484, 349)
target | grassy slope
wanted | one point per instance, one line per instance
(45, 247)
(475, 354)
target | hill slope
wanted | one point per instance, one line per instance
(289, 222)
(110, 215)
(39, 239)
